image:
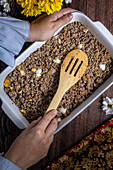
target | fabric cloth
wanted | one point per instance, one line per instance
(93, 152)
(13, 34)
(5, 164)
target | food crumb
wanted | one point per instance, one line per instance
(23, 111)
(80, 46)
(63, 110)
(85, 30)
(59, 120)
(6, 82)
(102, 66)
(38, 72)
(33, 70)
(59, 40)
(57, 60)
(22, 72)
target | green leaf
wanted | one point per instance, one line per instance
(9, 1)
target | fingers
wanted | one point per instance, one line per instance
(34, 123)
(61, 18)
(43, 124)
(62, 21)
(56, 15)
(51, 127)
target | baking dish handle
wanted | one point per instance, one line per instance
(104, 30)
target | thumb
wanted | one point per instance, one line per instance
(62, 21)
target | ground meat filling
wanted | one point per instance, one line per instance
(34, 82)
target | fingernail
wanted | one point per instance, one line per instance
(55, 112)
(70, 16)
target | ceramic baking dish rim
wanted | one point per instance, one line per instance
(13, 111)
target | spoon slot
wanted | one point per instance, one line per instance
(69, 64)
(73, 66)
(78, 68)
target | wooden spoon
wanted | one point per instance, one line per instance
(72, 69)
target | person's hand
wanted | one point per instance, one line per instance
(45, 26)
(33, 143)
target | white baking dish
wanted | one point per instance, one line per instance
(102, 35)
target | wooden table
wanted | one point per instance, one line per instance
(90, 118)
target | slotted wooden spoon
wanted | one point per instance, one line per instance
(72, 69)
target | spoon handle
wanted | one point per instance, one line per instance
(56, 99)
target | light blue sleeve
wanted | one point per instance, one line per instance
(5, 164)
(13, 34)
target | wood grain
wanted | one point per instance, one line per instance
(67, 78)
(90, 118)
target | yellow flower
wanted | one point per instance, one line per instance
(30, 7)
(50, 6)
(35, 7)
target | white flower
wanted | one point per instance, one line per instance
(2, 2)
(107, 105)
(2, 153)
(68, 1)
(6, 7)
(3, 14)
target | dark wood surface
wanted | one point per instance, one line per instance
(90, 118)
